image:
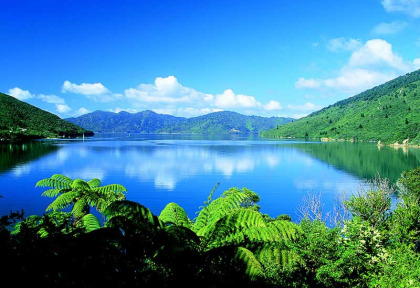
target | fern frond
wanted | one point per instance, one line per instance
(229, 201)
(51, 193)
(94, 183)
(111, 188)
(79, 184)
(175, 214)
(53, 183)
(62, 201)
(62, 178)
(133, 211)
(287, 230)
(277, 255)
(80, 208)
(229, 229)
(254, 269)
(90, 222)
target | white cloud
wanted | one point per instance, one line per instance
(339, 44)
(190, 102)
(389, 28)
(377, 52)
(298, 116)
(85, 88)
(410, 7)
(273, 105)
(307, 83)
(81, 111)
(372, 64)
(20, 94)
(416, 63)
(228, 99)
(51, 99)
(308, 106)
(165, 90)
(62, 108)
(118, 110)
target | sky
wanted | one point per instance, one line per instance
(187, 58)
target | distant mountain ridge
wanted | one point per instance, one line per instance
(151, 122)
(22, 121)
(388, 113)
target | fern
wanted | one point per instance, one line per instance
(94, 183)
(175, 214)
(79, 184)
(51, 193)
(227, 202)
(62, 178)
(254, 269)
(278, 256)
(53, 183)
(80, 208)
(90, 222)
(62, 201)
(133, 211)
(110, 188)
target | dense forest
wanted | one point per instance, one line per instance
(222, 122)
(389, 113)
(92, 236)
(22, 121)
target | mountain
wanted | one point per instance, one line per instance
(21, 121)
(151, 122)
(389, 113)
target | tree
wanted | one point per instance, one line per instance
(81, 194)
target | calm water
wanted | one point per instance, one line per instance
(158, 169)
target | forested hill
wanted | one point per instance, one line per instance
(20, 121)
(389, 113)
(151, 122)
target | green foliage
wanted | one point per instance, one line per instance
(400, 269)
(21, 121)
(230, 243)
(80, 194)
(373, 206)
(361, 251)
(176, 215)
(150, 122)
(386, 116)
(410, 182)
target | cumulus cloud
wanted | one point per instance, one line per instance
(20, 94)
(62, 108)
(81, 111)
(51, 99)
(410, 7)
(416, 63)
(372, 64)
(228, 99)
(190, 102)
(118, 110)
(165, 90)
(84, 88)
(308, 106)
(339, 44)
(377, 52)
(389, 28)
(273, 105)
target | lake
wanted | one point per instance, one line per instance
(159, 169)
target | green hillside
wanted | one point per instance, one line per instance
(21, 121)
(389, 113)
(150, 122)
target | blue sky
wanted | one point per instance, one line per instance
(191, 57)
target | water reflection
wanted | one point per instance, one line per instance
(160, 169)
(364, 160)
(17, 155)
